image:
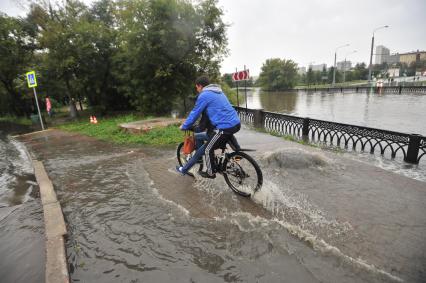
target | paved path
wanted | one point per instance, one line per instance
(386, 212)
(343, 207)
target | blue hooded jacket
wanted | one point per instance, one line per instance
(220, 112)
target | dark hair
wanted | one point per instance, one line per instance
(203, 81)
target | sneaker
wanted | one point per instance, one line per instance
(206, 175)
(180, 170)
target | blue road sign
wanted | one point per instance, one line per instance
(31, 79)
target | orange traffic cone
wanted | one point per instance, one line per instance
(91, 119)
(95, 121)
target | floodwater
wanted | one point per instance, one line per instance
(21, 216)
(404, 113)
(395, 112)
(132, 219)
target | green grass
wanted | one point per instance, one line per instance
(16, 120)
(107, 129)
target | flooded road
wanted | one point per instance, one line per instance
(21, 216)
(132, 219)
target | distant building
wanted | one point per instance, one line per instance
(393, 72)
(392, 59)
(319, 67)
(301, 70)
(382, 54)
(344, 65)
(412, 57)
(406, 58)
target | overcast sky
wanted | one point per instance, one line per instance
(309, 31)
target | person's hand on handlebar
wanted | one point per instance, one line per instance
(189, 129)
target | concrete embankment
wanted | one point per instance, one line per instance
(55, 229)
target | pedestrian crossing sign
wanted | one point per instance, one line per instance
(31, 79)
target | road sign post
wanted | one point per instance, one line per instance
(236, 82)
(241, 76)
(245, 84)
(32, 83)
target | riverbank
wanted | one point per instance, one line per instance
(345, 84)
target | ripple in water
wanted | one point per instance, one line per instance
(121, 228)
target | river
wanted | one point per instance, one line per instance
(396, 112)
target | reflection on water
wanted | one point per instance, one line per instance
(403, 113)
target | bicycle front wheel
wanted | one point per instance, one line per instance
(242, 174)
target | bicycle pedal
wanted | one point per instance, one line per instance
(206, 175)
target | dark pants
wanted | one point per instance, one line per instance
(217, 141)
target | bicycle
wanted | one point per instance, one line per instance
(241, 172)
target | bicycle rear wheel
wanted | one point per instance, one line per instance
(184, 158)
(242, 174)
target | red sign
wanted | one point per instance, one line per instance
(241, 76)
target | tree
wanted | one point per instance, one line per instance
(124, 54)
(16, 52)
(163, 46)
(360, 72)
(79, 45)
(324, 74)
(310, 76)
(278, 74)
(227, 79)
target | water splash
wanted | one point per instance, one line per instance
(16, 173)
(294, 158)
(22, 163)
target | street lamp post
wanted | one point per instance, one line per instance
(307, 72)
(344, 66)
(335, 57)
(371, 52)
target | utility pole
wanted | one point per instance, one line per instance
(335, 57)
(370, 67)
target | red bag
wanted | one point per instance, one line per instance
(188, 144)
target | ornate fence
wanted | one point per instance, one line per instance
(385, 89)
(350, 137)
(422, 149)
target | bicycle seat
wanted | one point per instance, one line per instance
(233, 143)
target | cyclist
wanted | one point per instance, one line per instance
(213, 102)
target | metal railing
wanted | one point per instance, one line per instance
(411, 147)
(385, 89)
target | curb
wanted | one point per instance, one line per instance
(31, 133)
(55, 229)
